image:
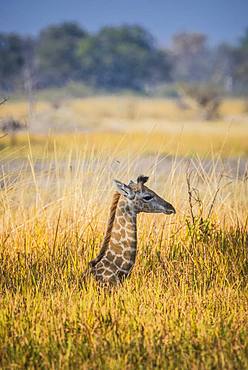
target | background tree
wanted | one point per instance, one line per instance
(191, 57)
(223, 67)
(57, 53)
(241, 59)
(122, 57)
(11, 60)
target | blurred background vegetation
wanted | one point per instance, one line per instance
(120, 58)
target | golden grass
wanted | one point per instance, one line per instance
(127, 123)
(213, 143)
(185, 304)
(127, 108)
(233, 106)
(20, 110)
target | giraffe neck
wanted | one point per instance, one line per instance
(119, 255)
(123, 241)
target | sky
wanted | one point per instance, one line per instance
(222, 20)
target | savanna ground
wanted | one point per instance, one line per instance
(185, 304)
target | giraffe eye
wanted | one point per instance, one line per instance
(148, 197)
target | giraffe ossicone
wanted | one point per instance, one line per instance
(118, 252)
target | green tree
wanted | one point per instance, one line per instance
(122, 57)
(11, 60)
(241, 58)
(57, 53)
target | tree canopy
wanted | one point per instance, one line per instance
(121, 57)
(124, 57)
(56, 53)
(11, 59)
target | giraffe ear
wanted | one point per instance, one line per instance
(124, 189)
(142, 179)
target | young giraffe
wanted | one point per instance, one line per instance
(117, 255)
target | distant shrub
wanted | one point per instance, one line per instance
(11, 126)
(207, 98)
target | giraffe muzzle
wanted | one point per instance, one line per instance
(169, 209)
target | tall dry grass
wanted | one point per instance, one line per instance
(123, 114)
(185, 304)
(229, 143)
(127, 107)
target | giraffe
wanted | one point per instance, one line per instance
(118, 252)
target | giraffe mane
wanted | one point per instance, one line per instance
(107, 235)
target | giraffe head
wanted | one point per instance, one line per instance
(142, 199)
